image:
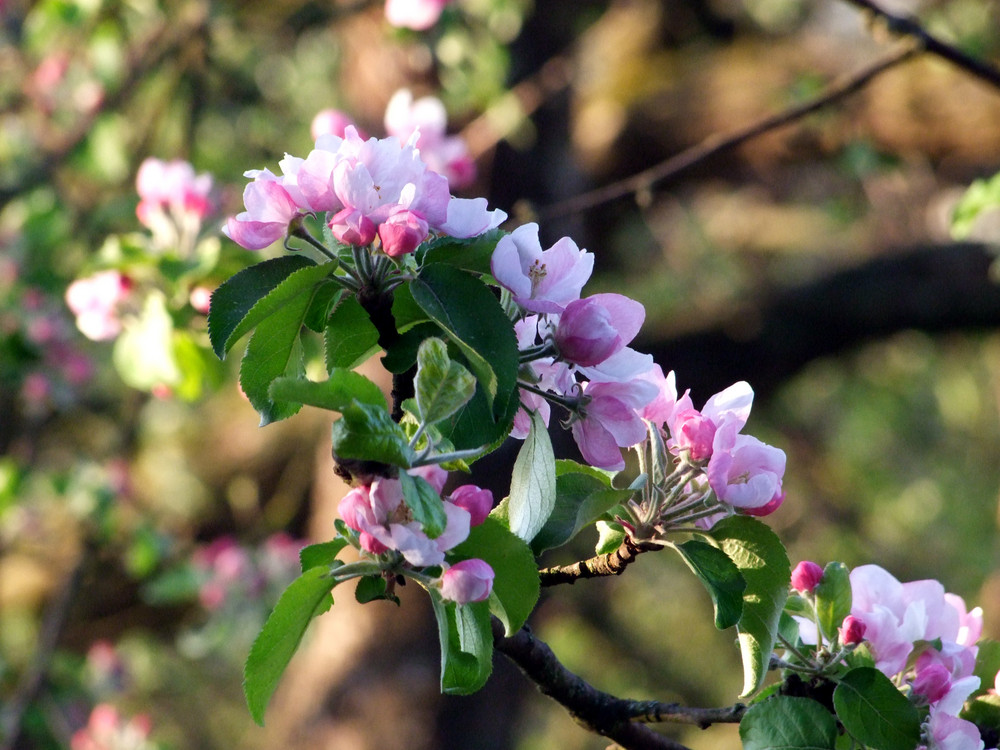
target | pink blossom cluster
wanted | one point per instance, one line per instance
(375, 189)
(920, 636)
(97, 301)
(418, 15)
(384, 523)
(106, 729)
(232, 573)
(171, 186)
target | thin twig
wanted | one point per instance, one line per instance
(600, 566)
(910, 27)
(717, 143)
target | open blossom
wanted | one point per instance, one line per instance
(610, 421)
(269, 210)
(95, 300)
(591, 330)
(543, 281)
(446, 155)
(745, 472)
(418, 15)
(467, 581)
(694, 431)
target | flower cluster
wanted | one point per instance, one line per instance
(384, 524)
(97, 301)
(920, 636)
(173, 202)
(108, 730)
(375, 189)
(231, 573)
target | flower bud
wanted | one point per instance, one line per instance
(806, 576)
(933, 681)
(852, 631)
(478, 502)
(467, 581)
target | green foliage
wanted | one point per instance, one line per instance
(442, 386)
(424, 503)
(339, 391)
(367, 433)
(833, 598)
(471, 254)
(788, 722)
(466, 638)
(533, 483)
(874, 712)
(322, 554)
(981, 195)
(350, 336)
(582, 497)
(722, 579)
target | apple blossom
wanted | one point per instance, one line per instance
(609, 420)
(426, 116)
(543, 281)
(269, 211)
(806, 576)
(329, 122)
(743, 471)
(95, 301)
(171, 185)
(418, 15)
(478, 502)
(590, 330)
(467, 581)
(852, 631)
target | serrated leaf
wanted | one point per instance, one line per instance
(470, 315)
(442, 387)
(235, 298)
(367, 432)
(567, 466)
(515, 583)
(476, 424)
(405, 311)
(763, 562)
(466, 638)
(372, 588)
(402, 354)
(874, 712)
(321, 555)
(424, 503)
(274, 350)
(581, 499)
(533, 483)
(349, 337)
(789, 723)
(721, 577)
(281, 635)
(472, 254)
(328, 294)
(610, 536)
(833, 598)
(342, 388)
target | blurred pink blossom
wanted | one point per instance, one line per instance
(418, 15)
(95, 301)
(107, 730)
(444, 154)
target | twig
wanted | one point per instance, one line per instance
(910, 27)
(717, 143)
(610, 564)
(619, 719)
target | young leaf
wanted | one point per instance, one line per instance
(833, 598)
(470, 315)
(567, 466)
(442, 386)
(580, 500)
(336, 393)
(372, 588)
(477, 424)
(235, 297)
(367, 433)
(533, 483)
(610, 536)
(721, 577)
(473, 254)
(307, 596)
(273, 351)
(466, 645)
(788, 722)
(874, 712)
(515, 585)
(350, 337)
(424, 503)
(763, 562)
(321, 555)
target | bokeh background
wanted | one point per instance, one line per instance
(145, 531)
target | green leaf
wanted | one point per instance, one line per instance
(366, 432)
(610, 536)
(280, 637)
(721, 577)
(472, 254)
(322, 555)
(424, 503)
(350, 337)
(477, 424)
(336, 393)
(515, 585)
(984, 712)
(981, 195)
(405, 311)
(533, 483)
(763, 562)
(581, 499)
(470, 315)
(874, 712)
(833, 598)
(566, 466)
(235, 297)
(987, 664)
(789, 723)
(328, 294)
(402, 354)
(442, 387)
(274, 350)
(373, 588)
(466, 645)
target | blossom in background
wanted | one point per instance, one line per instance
(331, 122)
(444, 154)
(96, 301)
(418, 15)
(171, 186)
(231, 573)
(107, 730)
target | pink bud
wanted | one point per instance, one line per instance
(478, 502)
(694, 432)
(806, 576)
(371, 544)
(852, 631)
(354, 506)
(352, 227)
(402, 232)
(933, 681)
(591, 330)
(467, 581)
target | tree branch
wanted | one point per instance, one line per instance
(717, 143)
(910, 27)
(599, 566)
(619, 719)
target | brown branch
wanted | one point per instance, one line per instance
(619, 719)
(910, 27)
(718, 143)
(600, 566)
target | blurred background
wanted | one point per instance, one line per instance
(147, 524)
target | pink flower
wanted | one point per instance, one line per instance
(591, 330)
(402, 232)
(171, 185)
(743, 471)
(445, 155)
(852, 631)
(543, 281)
(106, 730)
(695, 431)
(95, 301)
(662, 406)
(418, 15)
(270, 209)
(478, 502)
(329, 122)
(467, 581)
(932, 680)
(610, 421)
(200, 299)
(806, 576)
(469, 217)
(948, 732)
(433, 474)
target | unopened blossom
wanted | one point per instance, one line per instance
(852, 631)
(269, 210)
(467, 581)
(402, 232)
(95, 300)
(426, 116)
(542, 281)
(743, 471)
(477, 501)
(806, 576)
(932, 681)
(200, 299)
(610, 421)
(591, 330)
(418, 15)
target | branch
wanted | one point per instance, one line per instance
(910, 27)
(600, 566)
(618, 719)
(718, 143)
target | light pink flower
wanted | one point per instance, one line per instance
(694, 431)
(478, 502)
(590, 330)
(106, 730)
(174, 186)
(467, 581)
(445, 155)
(543, 281)
(95, 300)
(806, 576)
(433, 474)
(743, 471)
(662, 406)
(269, 210)
(948, 732)
(329, 122)
(610, 421)
(418, 15)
